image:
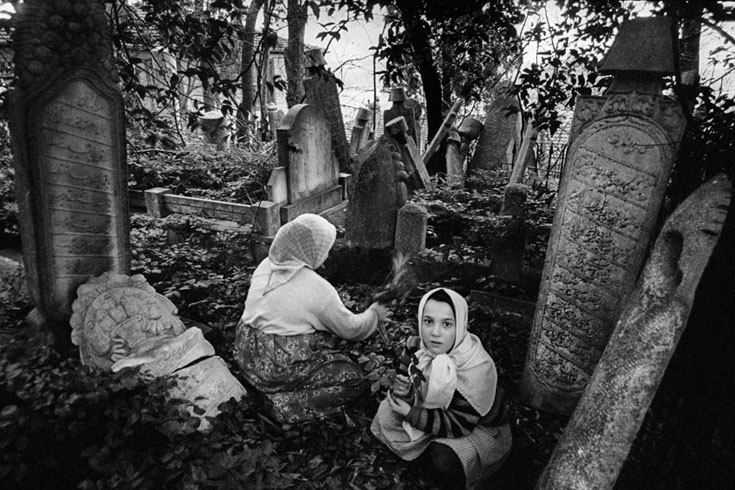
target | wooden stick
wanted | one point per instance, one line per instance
(443, 130)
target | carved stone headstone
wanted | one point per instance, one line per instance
(618, 166)
(455, 169)
(116, 315)
(377, 191)
(216, 129)
(605, 423)
(320, 86)
(312, 174)
(406, 108)
(418, 175)
(501, 132)
(66, 123)
(121, 322)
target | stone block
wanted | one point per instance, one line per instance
(316, 203)
(411, 227)
(154, 203)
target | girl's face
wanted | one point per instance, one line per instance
(438, 328)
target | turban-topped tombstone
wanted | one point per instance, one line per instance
(622, 147)
(68, 136)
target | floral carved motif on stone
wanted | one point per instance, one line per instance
(116, 315)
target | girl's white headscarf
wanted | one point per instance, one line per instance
(303, 242)
(467, 367)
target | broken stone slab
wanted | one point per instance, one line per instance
(164, 356)
(207, 384)
(599, 435)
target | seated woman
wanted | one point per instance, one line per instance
(286, 336)
(455, 417)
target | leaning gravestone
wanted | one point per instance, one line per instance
(406, 108)
(500, 137)
(377, 191)
(320, 86)
(66, 123)
(622, 148)
(360, 131)
(604, 425)
(121, 322)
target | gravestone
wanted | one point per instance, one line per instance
(121, 322)
(411, 226)
(216, 129)
(377, 191)
(397, 131)
(320, 86)
(68, 136)
(455, 170)
(311, 174)
(360, 131)
(500, 138)
(620, 157)
(116, 315)
(406, 108)
(601, 431)
(508, 247)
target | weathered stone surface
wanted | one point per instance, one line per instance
(66, 122)
(618, 165)
(360, 131)
(501, 131)
(643, 45)
(411, 227)
(508, 247)
(377, 191)
(216, 128)
(117, 315)
(455, 167)
(320, 86)
(418, 176)
(604, 425)
(165, 355)
(304, 148)
(406, 108)
(207, 384)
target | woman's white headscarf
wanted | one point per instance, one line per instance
(467, 367)
(303, 242)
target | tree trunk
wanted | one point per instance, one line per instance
(294, 53)
(247, 67)
(418, 34)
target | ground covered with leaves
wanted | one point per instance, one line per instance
(63, 425)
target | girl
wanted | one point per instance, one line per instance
(458, 419)
(286, 336)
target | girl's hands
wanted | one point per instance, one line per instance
(401, 386)
(399, 406)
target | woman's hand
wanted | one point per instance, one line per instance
(382, 311)
(399, 406)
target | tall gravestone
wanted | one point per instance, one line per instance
(377, 191)
(622, 148)
(600, 433)
(66, 123)
(320, 86)
(500, 138)
(360, 130)
(311, 174)
(406, 108)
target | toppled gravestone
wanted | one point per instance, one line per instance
(120, 322)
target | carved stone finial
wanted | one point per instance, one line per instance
(51, 35)
(116, 315)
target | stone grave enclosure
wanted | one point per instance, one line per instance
(306, 180)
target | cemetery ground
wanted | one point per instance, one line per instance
(63, 425)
